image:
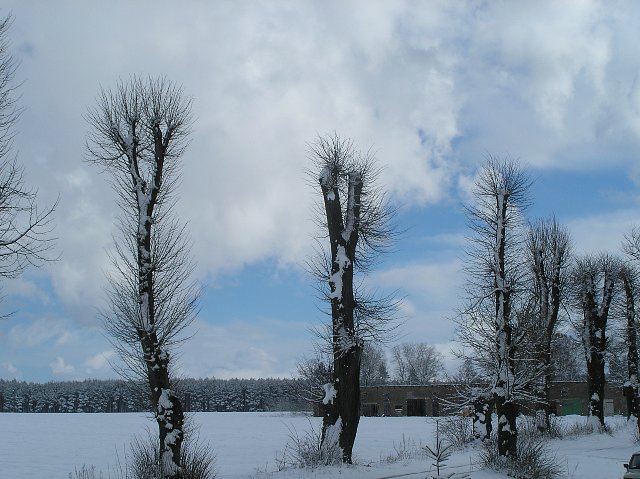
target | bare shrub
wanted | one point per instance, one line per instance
(457, 430)
(405, 450)
(559, 429)
(578, 429)
(555, 429)
(86, 472)
(307, 450)
(142, 461)
(533, 460)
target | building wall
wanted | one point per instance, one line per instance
(437, 399)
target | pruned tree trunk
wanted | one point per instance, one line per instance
(549, 245)
(500, 193)
(631, 385)
(166, 405)
(503, 388)
(138, 135)
(344, 410)
(595, 308)
(355, 216)
(482, 413)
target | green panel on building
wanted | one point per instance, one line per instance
(571, 406)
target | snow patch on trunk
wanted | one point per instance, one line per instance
(336, 278)
(331, 441)
(330, 393)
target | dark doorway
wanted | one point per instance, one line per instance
(435, 407)
(416, 407)
(370, 409)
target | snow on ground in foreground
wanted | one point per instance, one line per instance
(246, 444)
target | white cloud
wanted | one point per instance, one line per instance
(99, 362)
(602, 232)
(244, 349)
(26, 288)
(35, 333)
(8, 370)
(430, 86)
(58, 366)
(437, 283)
(546, 49)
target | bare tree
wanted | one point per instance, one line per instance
(25, 230)
(567, 359)
(355, 217)
(138, 135)
(373, 365)
(548, 246)
(629, 275)
(495, 273)
(593, 281)
(416, 363)
(314, 372)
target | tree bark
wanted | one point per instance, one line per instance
(344, 409)
(595, 323)
(507, 429)
(482, 413)
(631, 385)
(167, 407)
(503, 394)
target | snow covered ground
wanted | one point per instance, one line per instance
(246, 444)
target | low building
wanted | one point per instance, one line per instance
(438, 399)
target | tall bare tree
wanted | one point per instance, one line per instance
(355, 218)
(495, 270)
(629, 280)
(138, 136)
(314, 372)
(594, 285)
(548, 245)
(629, 276)
(416, 363)
(25, 230)
(567, 358)
(373, 365)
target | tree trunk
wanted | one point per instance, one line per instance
(507, 429)
(545, 359)
(631, 385)
(595, 380)
(347, 408)
(344, 412)
(503, 393)
(167, 407)
(595, 360)
(482, 412)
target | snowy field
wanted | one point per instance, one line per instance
(246, 444)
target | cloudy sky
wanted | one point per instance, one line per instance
(431, 87)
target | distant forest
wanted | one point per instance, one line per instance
(123, 396)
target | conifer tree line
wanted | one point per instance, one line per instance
(114, 396)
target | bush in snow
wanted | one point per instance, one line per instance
(308, 450)
(530, 426)
(86, 472)
(457, 430)
(405, 450)
(578, 429)
(143, 462)
(533, 460)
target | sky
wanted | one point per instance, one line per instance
(431, 87)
